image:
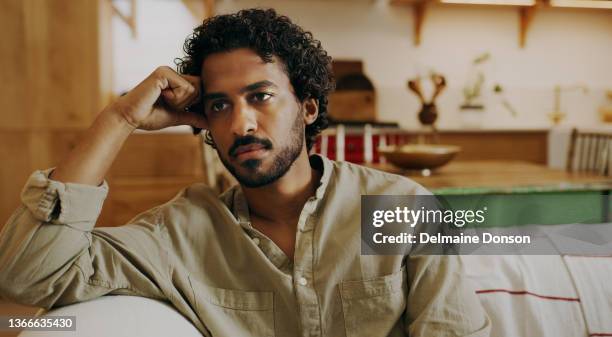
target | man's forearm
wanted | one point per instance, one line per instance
(91, 159)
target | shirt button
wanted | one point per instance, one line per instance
(302, 281)
(256, 241)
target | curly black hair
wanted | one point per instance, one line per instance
(268, 34)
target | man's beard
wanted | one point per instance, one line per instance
(281, 163)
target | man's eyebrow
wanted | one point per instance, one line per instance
(213, 95)
(250, 87)
(257, 85)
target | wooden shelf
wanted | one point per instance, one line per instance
(419, 9)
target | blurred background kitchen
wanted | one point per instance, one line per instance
(523, 90)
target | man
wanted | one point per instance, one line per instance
(277, 255)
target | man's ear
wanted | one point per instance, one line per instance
(202, 122)
(311, 110)
(199, 124)
(197, 119)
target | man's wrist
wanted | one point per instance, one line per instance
(117, 120)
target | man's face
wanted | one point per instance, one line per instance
(253, 115)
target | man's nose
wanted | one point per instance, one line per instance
(244, 120)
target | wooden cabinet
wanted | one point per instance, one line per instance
(523, 145)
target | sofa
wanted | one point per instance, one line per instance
(523, 295)
(120, 316)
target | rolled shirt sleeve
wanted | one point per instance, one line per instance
(50, 253)
(65, 203)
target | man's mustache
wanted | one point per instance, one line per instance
(248, 140)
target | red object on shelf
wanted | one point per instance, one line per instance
(354, 146)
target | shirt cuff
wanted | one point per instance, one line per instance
(53, 201)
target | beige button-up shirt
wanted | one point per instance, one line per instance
(200, 253)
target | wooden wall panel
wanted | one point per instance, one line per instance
(55, 74)
(72, 80)
(14, 170)
(54, 49)
(13, 57)
(159, 155)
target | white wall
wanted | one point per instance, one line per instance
(162, 26)
(564, 46)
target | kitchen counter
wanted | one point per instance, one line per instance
(502, 176)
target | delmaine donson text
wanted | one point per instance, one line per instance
(458, 218)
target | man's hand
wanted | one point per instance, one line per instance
(157, 102)
(160, 100)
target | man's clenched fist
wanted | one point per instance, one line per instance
(160, 100)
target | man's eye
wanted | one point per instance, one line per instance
(261, 97)
(218, 106)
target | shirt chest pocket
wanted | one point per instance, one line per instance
(234, 313)
(372, 307)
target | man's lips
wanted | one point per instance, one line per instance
(248, 148)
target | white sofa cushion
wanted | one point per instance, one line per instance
(121, 316)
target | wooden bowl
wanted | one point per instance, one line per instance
(419, 156)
